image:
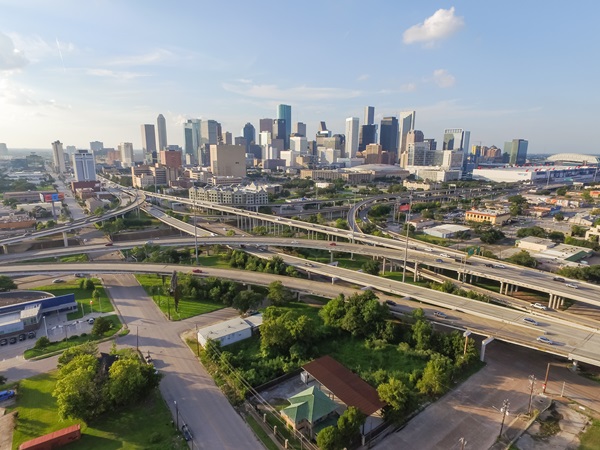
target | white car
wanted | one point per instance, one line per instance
(428, 249)
(545, 340)
(572, 285)
(444, 255)
(539, 306)
(499, 266)
(530, 321)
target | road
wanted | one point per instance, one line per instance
(201, 404)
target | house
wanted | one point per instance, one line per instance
(307, 409)
(230, 331)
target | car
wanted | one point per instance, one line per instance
(439, 260)
(539, 306)
(149, 242)
(31, 335)
(391, 303)
(530, 321)
(444, 255)
(91, 320)
(197, 270)
(333, 244)
(572, 285)
(562, 280)
(428, 249)
(58, 280)
(440, 314)
(294, 242)
(22, 337)
(109, 244)
(545, 340)
(185, 430)
(3, 342)
(80, 275)
(499, 266)
(308, 265)
(12, 340)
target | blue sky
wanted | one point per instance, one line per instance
(89, 70)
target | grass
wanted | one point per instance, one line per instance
(261, 433)
(82, 257)
(431, 239)
(82, 297)
(591, 437)
(121, 429)
(187, 307)
(72, 341)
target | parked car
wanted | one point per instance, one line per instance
(572, 285)
(80, 275)
(12, 340)
(31, 335)
(91, 320)
(545, 340)
(440, 315)
(187, 435)
(22, 337)
(539, 306)
(5, 395)
(3, 342)
(530, 321)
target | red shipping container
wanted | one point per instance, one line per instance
(53, 440)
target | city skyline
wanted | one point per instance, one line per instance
(82, 81)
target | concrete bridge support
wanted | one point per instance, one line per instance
(483, 347)
(65, 238)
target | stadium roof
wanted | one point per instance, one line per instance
(575, 158)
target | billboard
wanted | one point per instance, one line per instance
(52, 197)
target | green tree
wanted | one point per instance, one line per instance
(278, 293)
(491, 236)
(342, 224)
(7, 283)
(89, 284)
(41, 343)
(246, 300)
(349, 424)
(101, 326)
(577, 230)
(96, 296)
(436, 376)
(395, 394)
(371, 267)
(523, 258)
(126, 381)
(559, 217)
(3, 380)
(556, 236)
(422, 333)
(531, 231)
(87, 348)
(334, 311)
(76, 391)
(562, 191)
(328, 439)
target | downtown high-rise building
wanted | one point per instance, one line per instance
(406, 124)
(210, 132)
(249, 133)
(299, 129)
(228, 160)
(284, 112)
(84, 166)
(352, 129)
(517, 151)
(388, 134)
(191, 139)
(265, 125)
(161, 127)
(149, 144)
(369, 115)
(126, 151)
(457, 140)
(58, 155)
(96, 146)
(279, 131)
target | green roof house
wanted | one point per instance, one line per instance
(307, 409)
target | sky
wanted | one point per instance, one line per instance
(81, 71)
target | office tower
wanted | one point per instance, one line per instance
(299, 129)
(367, 135)
(419, 154)
(517, 151)
(456, 139)
(161, 126)
(96, 146)
(191, 131)
(351, 137)
(3, 149)
(278, 130)
(406, 124)
(227, 138)
(249, 133)
(389, 134)
(432, 143)
(58, 155)
(284, 112)
(265, 125)
(228, 160)
(171, 158)
(372, 154)
(241, 140)
(369, 115)
(209, 135)
(299, 144)
(84, 166)
(149, 144)
(126, 150)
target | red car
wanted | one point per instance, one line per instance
(109, 244)
(333, 244)
(197, 271)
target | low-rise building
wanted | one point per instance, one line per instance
(419, 223)
(446, 231)
(547, 249)
(494, 217)
(230, 331)
(229, 195)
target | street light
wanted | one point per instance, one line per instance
(504, 411)
(466, 334)
(176, 413)
(195, 231)
(45, 326)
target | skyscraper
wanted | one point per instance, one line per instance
(351, 137)
(367, 135)
(456, 139)
(228, 160)
(285, 112)
(96, 146)
(191, 134)
(279, 131)
(299, 129)
(388, 137)
(149, 143)
(249, 133)
(369, 115)
(84, 166)
(517, 151)
(161, 126)
(126, 150)
(209, 135)
(58, 155)
(265, 125)
(407, 123)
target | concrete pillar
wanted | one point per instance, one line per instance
(5, 248)
(383, 266)
(483, 347)
(330, 256)
(65, 239)
(502, 287)
(562, 302)
(471, 279)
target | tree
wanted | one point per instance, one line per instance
(421, 334)
(531, 231)
(101, 326)
(278, 293)
(559, 217)
(7, 283)
(89, 284)
(3, 380)
(87, 348)
(246, 300)
(349, 425)
(96, 295)
(371, 267)
(328, 438)
(556, 236)
(126, 381)
(395, 394)
(75, 391)
(436, 376)
(561, 191)
(334, 311)
(41, 343)
(491, 236)
(523, 258)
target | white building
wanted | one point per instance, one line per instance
(84, 166)
(230, 331)
(299, 144)
(445, 231)
(228, 195)
(126, 150)
(59, 157)
(351, 137)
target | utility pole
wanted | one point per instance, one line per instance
(532, 383)
(546, 379)
(504, 411)
(195, 232)
(410, 198)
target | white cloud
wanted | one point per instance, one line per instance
(20, 95)
(299, 93)
(443, 78)
(10, 57)
(442, 24)
(408, 87)
(114, 74)
(38, 49)
(156, 56)
(363, 77)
